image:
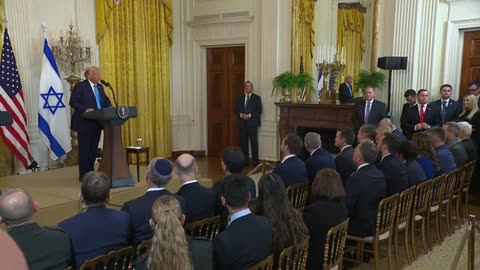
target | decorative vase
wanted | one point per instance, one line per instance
(287, 95)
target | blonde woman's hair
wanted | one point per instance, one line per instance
(170, 248)
(472, 100)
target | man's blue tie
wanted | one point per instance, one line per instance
(97, 96)
(443, 112)
(350, 90)
(367, 112)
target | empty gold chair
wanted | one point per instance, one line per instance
(334, 246)
(298, 195)
(386, 212)
(447, 202)
(436, 200)
(402, 221)
(469, 168)
(421, 204)
(119, 259)
(266, 264)
(294, 257)
(143, 247)
(457, 196)
(208, 227)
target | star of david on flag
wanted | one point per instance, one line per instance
(52, 112)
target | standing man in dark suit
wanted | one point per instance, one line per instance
(98, 230)
(447, 108)
(344, 160)
(411, 100)
(292, 170)
(368, 111)
(421, 116)
(159, 174)
(199, 199)
(319, 157)
(345, 92)
(87, 95)
(248, 238)
(394, 170)
(43, 248)
(473, 88)
(365, 189)
(248, 108)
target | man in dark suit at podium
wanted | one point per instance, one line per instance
(368, 111)
(345, 91)
(248, 108)
(88, 95)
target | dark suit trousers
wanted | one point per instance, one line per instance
(249, 133)
(87, 149)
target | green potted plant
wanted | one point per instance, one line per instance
(367, 78)
(304, 81)
(284, 82)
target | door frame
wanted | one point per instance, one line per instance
(200, 77)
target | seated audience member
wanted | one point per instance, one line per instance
(98, 230)
(43, 248)
(387, 125)
(410, 100)
(408, 154)
(292, 170)
(248, 238)
(159, 173)
(327, 209)
(466, 141)
(198, 199)
(443, 153)
(11, 256)
(395, 172)
(232, 161)
(287, 223)
(420, 117)
(319, 158)
(471, 114)
(367, 132)
(447, 108)
(452, 133)
(365, 189)
(344, 160)
(171, 248)
(426, 154)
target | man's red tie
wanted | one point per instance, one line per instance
(422, 114)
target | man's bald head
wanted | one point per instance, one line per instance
(186, 167)
(16, 207)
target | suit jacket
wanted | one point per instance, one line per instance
(319, 217)
(446, 159)
(395, 174)
(83, 98)
(97, 231)
(344, 93)
(365, 189)
(453, 110)
(378, 111)
(344, 163)
(459, 153)
(43, 248)
(319, 160)
(140, 210)
(220, 209)
(199, 201)
(254, 108)
(416, 175)
(399, 134)
(292, 171)
(470, 148)
(403, 117)
(247, 241)
(412, 117)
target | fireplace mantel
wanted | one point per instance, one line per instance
(321, 116)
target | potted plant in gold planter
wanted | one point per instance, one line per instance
(304, 82)
(285, 83)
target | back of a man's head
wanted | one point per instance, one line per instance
(452, 129)
(16, 207)
(96, 188)
(391, 142)
(160, 171)
(438, 136)
(465, 130)
(234, 159)
(236, 192)
(347, 134)
(186, 167)
(368, 151)
(294, 144)
(368, 132)
(312, 141)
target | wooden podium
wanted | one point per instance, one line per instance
(114, 162)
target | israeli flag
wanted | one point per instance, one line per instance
(320, 84)
(52, 112)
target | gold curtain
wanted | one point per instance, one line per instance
(351, 36)
(303, 34)
(134, 38)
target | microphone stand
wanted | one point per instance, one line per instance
(113, 93)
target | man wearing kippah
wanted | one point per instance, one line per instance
(159, 174)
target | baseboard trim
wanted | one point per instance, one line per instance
(176, 154)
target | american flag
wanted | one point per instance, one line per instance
(11, 100)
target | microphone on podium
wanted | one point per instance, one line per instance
(107, 84)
